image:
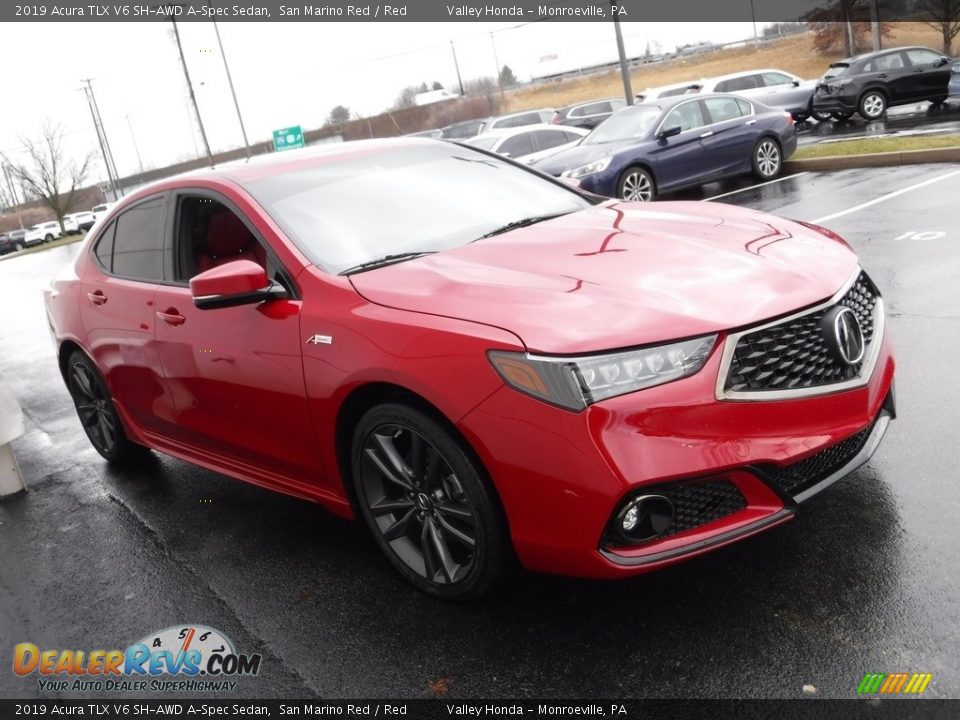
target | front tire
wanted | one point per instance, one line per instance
(97, 413)
(873, 105)
(767, 159)
(48, 238)
(636, 185)
(428, 503)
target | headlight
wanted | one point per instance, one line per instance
(956, 69)
(590, 169)
(576, 382)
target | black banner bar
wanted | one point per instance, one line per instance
(858, 709)
(513, 11)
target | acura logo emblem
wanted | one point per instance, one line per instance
(843, 335)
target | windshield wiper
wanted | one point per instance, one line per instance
(522, 222)
(386, 260)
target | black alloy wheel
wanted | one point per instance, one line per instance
(96, 410)
(427, 503)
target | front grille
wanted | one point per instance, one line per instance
(695, 503)
(800, 476)
(794, 355)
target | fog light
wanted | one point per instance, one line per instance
(646, 518)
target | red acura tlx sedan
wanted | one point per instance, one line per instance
(481, 361)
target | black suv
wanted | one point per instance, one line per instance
(869, 84)
(12, 241)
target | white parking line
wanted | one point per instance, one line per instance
(883, 198)
(769, 182)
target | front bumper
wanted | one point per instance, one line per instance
(953, 89)
(562, 476)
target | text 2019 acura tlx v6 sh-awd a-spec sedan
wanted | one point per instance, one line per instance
(480, 361)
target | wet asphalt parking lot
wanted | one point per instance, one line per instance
(864, 579)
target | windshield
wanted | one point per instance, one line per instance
(631, 124)
(411, 198)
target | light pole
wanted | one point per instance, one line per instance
(243, 130)
(88, 91)
(456, 65)
(624, 70)
(193, 98)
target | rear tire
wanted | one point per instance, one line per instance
(767, 159)
(428, 503)
(98, 415)
(873, 104)
(841, 116)
(48, 238)
(636, 185)
(18, 246)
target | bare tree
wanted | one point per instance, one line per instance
(943, 16)
(48, 174)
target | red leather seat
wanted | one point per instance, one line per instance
(228, 239)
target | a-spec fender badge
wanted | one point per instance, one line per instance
(320, 340)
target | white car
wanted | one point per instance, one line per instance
(773, 88)
(655, 93)
(100, 210)
(42, 232)
(78, 222)
(529, 143)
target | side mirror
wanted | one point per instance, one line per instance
(239, 282)
(506, 154)
(942, 61)
(669, 132)
(796, 83)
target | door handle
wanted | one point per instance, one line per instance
(171, 316)
(750, 122)
(97, 297)
(706, 134)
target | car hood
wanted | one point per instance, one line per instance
(579, 155)
(622, 274)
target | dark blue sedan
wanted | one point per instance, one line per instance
(673, 143)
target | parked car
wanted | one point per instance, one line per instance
(425, 133)
(589, 114)
(464, 129)
(12, 241)
(773, 88)
(518, 119)
(42, 232)
(677, 142)
(953, 89)
(100, 210)
(868, 84)
(491, 365)
(655, 93)
(530, 142)
(78, 222)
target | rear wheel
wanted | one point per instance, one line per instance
(820, 115)
(636, 184)
(767, 159)
(841, 116)
(48, 237)
(98, 415)
(427, 503)
(18, 246)
(873, 105)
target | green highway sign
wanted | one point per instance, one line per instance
(288, 138)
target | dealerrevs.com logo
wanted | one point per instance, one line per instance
(185, 658)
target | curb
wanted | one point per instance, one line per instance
(887, 159)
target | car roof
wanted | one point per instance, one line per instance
(877, 53)
(745, 73)
(590, 102)
(505, 132)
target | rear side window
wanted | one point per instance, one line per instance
(547, 139)
(138, 242)
(104, 248)
(722, 108)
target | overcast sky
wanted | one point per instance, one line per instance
(285, 74)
